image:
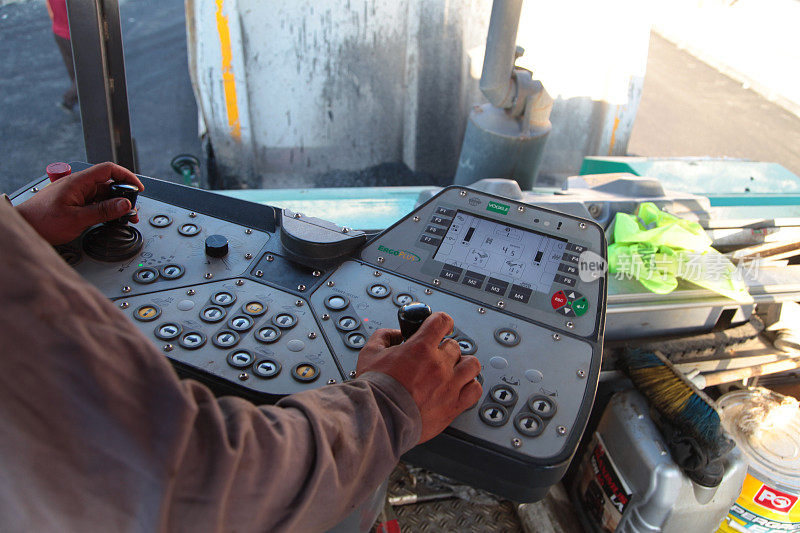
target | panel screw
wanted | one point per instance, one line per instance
(330, 283)
(316, 273)
(239, 283)
(463, 193)
(301, 288)
(570, 325)
(35, 189)
(312, 335)
(345, 230)
(331, 381)
(561, 430)
(208, 275)
(352, 374)
(168, 347)
(298, 215)
(243, 376)
(259, 273)
(416, 219)
(248, 256)
(381, 260)
(126, 289)
(501, 304)
(481, 310)
(191, 292)
(248, 231)
(377, 273)
(124, 305)
(298, 303)
(516, 443)
(326, 316)
(270, 258)
(521, 208)
(428, 292)
(582, 225)
(192, 215)
(437, 282)
(581, 373)
(556, 337)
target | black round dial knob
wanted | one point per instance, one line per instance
(124, 190)
(411, 316)
(216, 246)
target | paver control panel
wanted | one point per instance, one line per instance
(233, 300)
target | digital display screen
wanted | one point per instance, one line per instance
(509, 253)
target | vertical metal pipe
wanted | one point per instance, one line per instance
(501, 45)
(96, 38)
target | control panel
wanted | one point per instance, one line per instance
(262, 303)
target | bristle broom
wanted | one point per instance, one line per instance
(675, 397)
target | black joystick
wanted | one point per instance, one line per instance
(124, 190)
(115, 240)
(411, 316)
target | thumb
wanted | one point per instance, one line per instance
(107, 210)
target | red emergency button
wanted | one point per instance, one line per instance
(57, 170)
(558, 300)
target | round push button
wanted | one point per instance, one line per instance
(305, 372)
(467, 346)
(347, 323)
(186, 305)
(57, 170)
(543, 406)
(529, 424)
(240, 323)
(223, 298)
(192, 340)
(212, 313)
(267, 334)
(403, 298)
(284, 320)
(355, 341)
(255, 308)
(295, 345)
(498, 362)
(503, 395)
(160, 221)
(493, 414)
(266, 368)
(189, 230)
(145, 275)
(378, 290)
(506, 337)
(168, 331)
(533, 375)
(171, 271)
(147, 312)
(225, 339)
(336, 302)
(240, 359)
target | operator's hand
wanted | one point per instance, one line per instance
(440, 379)
(64, 209)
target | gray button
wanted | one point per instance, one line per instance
(506, 337)
(466, 345)
(160, 221)
(241, 323)
(223, 298)
(284, 320)
(168, 331)
(493, 414)
(171, 271)
(192, 340)
(145, 275)
(533, 375)
(336, 302)
(542, 405)
(347, 323)
(503, 395)
(267, 334)
(295, 345)
(378, 290)
(226, 339)
(355, 340)
(186, 305)
(267, 368)
(189, 230)
(240, 359)
(212, 314)
(403, 298)
(498, 362)
(529, 424)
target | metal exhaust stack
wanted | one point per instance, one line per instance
(505, 138)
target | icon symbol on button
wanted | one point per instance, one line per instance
(267, 368)
(240, 359)
(146, 313)
(355, 341)
(284, 320)
(168, 331)
(347, 323)
(226, 339)
(305, 372)
(558, 300)
(493, 414)
(378, 290)
(212, 314)
(192, 340)
(267, 334)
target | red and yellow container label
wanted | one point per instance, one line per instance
(762, 508)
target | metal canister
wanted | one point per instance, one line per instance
(766, 427)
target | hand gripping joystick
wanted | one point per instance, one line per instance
(115, 240)
(411, 316)
(131, 192)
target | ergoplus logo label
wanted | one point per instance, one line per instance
(402, 254)
(774, 499)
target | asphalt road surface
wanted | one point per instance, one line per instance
(687, 108)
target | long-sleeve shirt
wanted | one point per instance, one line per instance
(97, 432)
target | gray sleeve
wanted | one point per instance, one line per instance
(98, 432)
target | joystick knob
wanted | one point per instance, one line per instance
(124, 190)
(216, 246)
(411, 316)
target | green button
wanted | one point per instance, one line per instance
(580, 306)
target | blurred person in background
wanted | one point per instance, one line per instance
(57, 10)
